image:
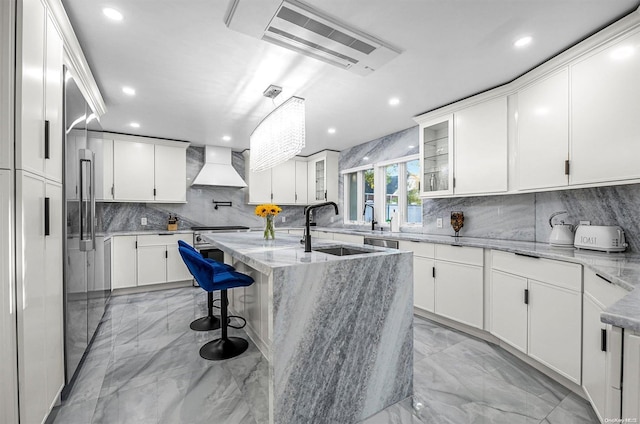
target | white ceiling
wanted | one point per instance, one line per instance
(196, 80)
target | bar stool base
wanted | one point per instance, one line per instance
(205, 324)
(219, 349)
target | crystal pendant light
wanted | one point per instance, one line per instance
(279, 136)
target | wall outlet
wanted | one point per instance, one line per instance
(330, 219)
(284, 219)
(439, 222)
(143, 221)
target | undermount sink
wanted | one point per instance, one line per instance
(342, 251)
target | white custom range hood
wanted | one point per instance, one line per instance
(217, 169)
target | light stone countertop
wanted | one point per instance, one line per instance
(286, 250)
(142, 233)
(621, 269)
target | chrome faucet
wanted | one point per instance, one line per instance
(373, 215)
(307, 230)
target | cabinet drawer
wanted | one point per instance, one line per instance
(601, 290)
(562, 274)
(163, 239)
(425, 250)
(460, 254)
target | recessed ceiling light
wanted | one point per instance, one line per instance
(331, 130)
(365, 158)
(522, 42)
(112, 14)
(128, 91)
(411, 146)
(394, 101)
(134, 125)
(226, 138)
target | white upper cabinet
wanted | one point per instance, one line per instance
(39, 116)
(480, 142)
(133, 171)
(289, 183)
(322, 174)
(30, 114)
(53, 112)
(145, 171)
(7, 83)
(543, 133)
(301, 182)
(605, 99)
(436, 151)
(283, 182)
(170, 173)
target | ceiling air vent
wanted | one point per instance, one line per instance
(299, 27)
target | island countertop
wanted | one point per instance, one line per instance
(286, 250)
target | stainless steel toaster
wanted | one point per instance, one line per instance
(604, 238)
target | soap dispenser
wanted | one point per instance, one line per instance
(395, 222)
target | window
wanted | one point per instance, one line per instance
(388, 187)
(359, 191)
(413, 212)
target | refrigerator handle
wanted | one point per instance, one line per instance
(86, 220)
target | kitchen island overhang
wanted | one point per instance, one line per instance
(337, 330)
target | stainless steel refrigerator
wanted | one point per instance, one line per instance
(86, 269)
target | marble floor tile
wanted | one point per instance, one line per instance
(144, 367)
(572, 409)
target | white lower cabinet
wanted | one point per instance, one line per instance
(148, 259)
(555, 327)
(508, 312)
(601, 347)
(459, 284)
(423, 273)
(39, 294)
(8, 365)
(631, 376)
(536, 306)
(123, 262)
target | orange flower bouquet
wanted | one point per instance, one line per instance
(268, 211)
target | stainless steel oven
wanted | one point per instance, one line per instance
(205, 248)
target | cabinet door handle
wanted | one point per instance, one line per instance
(296, 199)
(605, 279)
(136, 244)
(166, 254)
(154, 192)
(46, 139)
(325, 195)
(47, 225)
(112, 190)
(603, 339)
(526, 296)
(433, 272)
(527, 256)
(566, 167)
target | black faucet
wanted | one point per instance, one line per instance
(373, 215)
(307, 230)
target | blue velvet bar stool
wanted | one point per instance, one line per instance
(210, 280)
(210, 322)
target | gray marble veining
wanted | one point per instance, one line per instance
(342, 345)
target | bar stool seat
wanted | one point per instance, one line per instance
(210, 279)
(209, 322)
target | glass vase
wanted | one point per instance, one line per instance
(269, 230)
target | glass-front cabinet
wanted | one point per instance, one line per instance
(436, 151)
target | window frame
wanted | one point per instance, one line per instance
(380, 191)
(359, 171)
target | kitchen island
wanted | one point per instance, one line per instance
(337, 330)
